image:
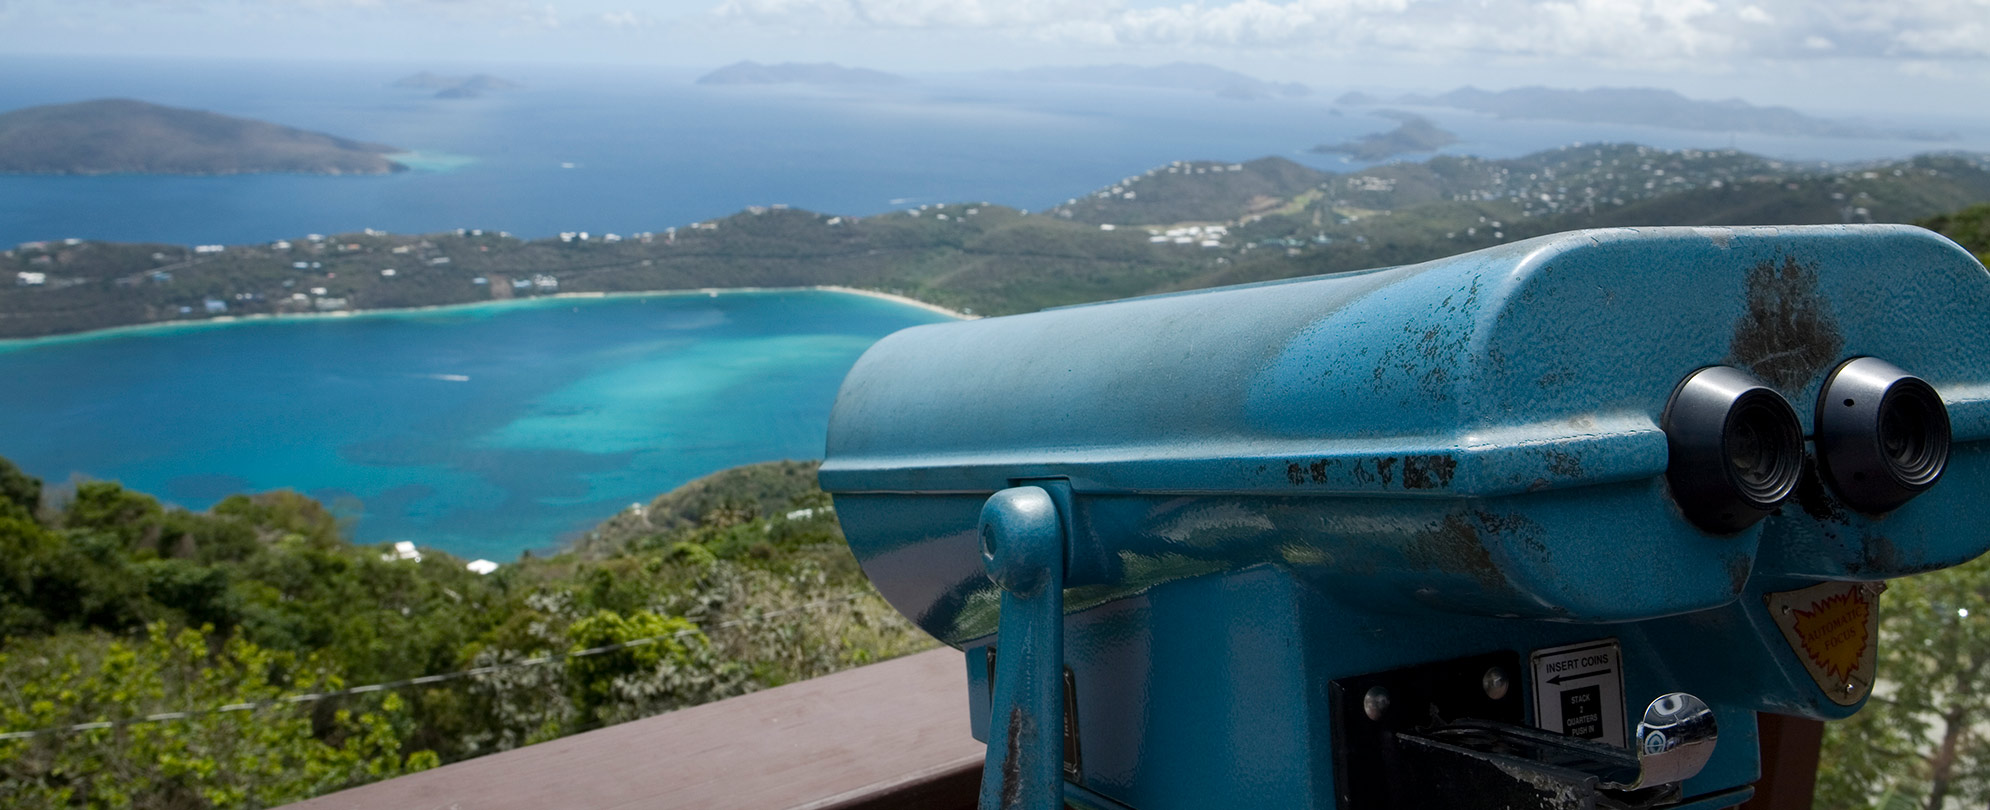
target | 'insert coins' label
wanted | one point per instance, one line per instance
(1579, 691)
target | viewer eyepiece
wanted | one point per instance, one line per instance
(1882, 434)
(1735, 448)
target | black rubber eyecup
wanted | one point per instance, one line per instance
(1735, 449)
(1882, 435)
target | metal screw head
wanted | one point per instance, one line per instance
(1495, 683)
(1375, 703)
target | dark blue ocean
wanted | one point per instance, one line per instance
(482, 430)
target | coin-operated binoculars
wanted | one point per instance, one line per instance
(1519, 528)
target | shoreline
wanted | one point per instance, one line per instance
(137, 329)
(906, 300)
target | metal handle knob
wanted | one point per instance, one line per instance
(1675, 740)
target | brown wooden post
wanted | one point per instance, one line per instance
(1790, 748)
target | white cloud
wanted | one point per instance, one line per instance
(1627, 33)
(1926, 70)
(547, 16)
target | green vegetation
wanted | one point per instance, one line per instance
(116, 136)
(1918, 742)
(1969, 227)
(986, 258)
(113, 608)
(1279, 219)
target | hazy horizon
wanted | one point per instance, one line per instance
(1839, 58)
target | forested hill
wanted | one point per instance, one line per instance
(114, 607)
(1969, 228)
(1596, 180)
(116, 136)
(1180, 226)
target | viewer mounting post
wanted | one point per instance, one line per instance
(1022, 544)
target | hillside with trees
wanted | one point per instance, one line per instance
(115, 609)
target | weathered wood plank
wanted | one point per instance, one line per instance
(887, 735)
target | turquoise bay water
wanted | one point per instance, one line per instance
(484, 431)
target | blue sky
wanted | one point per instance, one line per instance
(1884, 55)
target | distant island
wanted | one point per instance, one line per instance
(456, 86)
(1413, 134)
(823, 73)
(122, 136)
(1643, 107)
(1190, 76)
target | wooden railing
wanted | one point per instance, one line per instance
(885, 736)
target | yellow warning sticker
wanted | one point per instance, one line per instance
(1834, 630)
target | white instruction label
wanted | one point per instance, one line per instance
(1579, 691)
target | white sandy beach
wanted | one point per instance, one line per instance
(542, 300)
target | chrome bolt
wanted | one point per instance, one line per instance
(1375, 703)
(1495, 683)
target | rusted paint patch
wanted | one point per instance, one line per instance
(1428, 472)
(1881, 554)
(1517, 528)
(1788, 335)
(1516, 523)
(1427, 352)
(1315, 471)
(1012, 768)
(1418, 472)
(1816, 502)
(1455, 545)
(1563, 464)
